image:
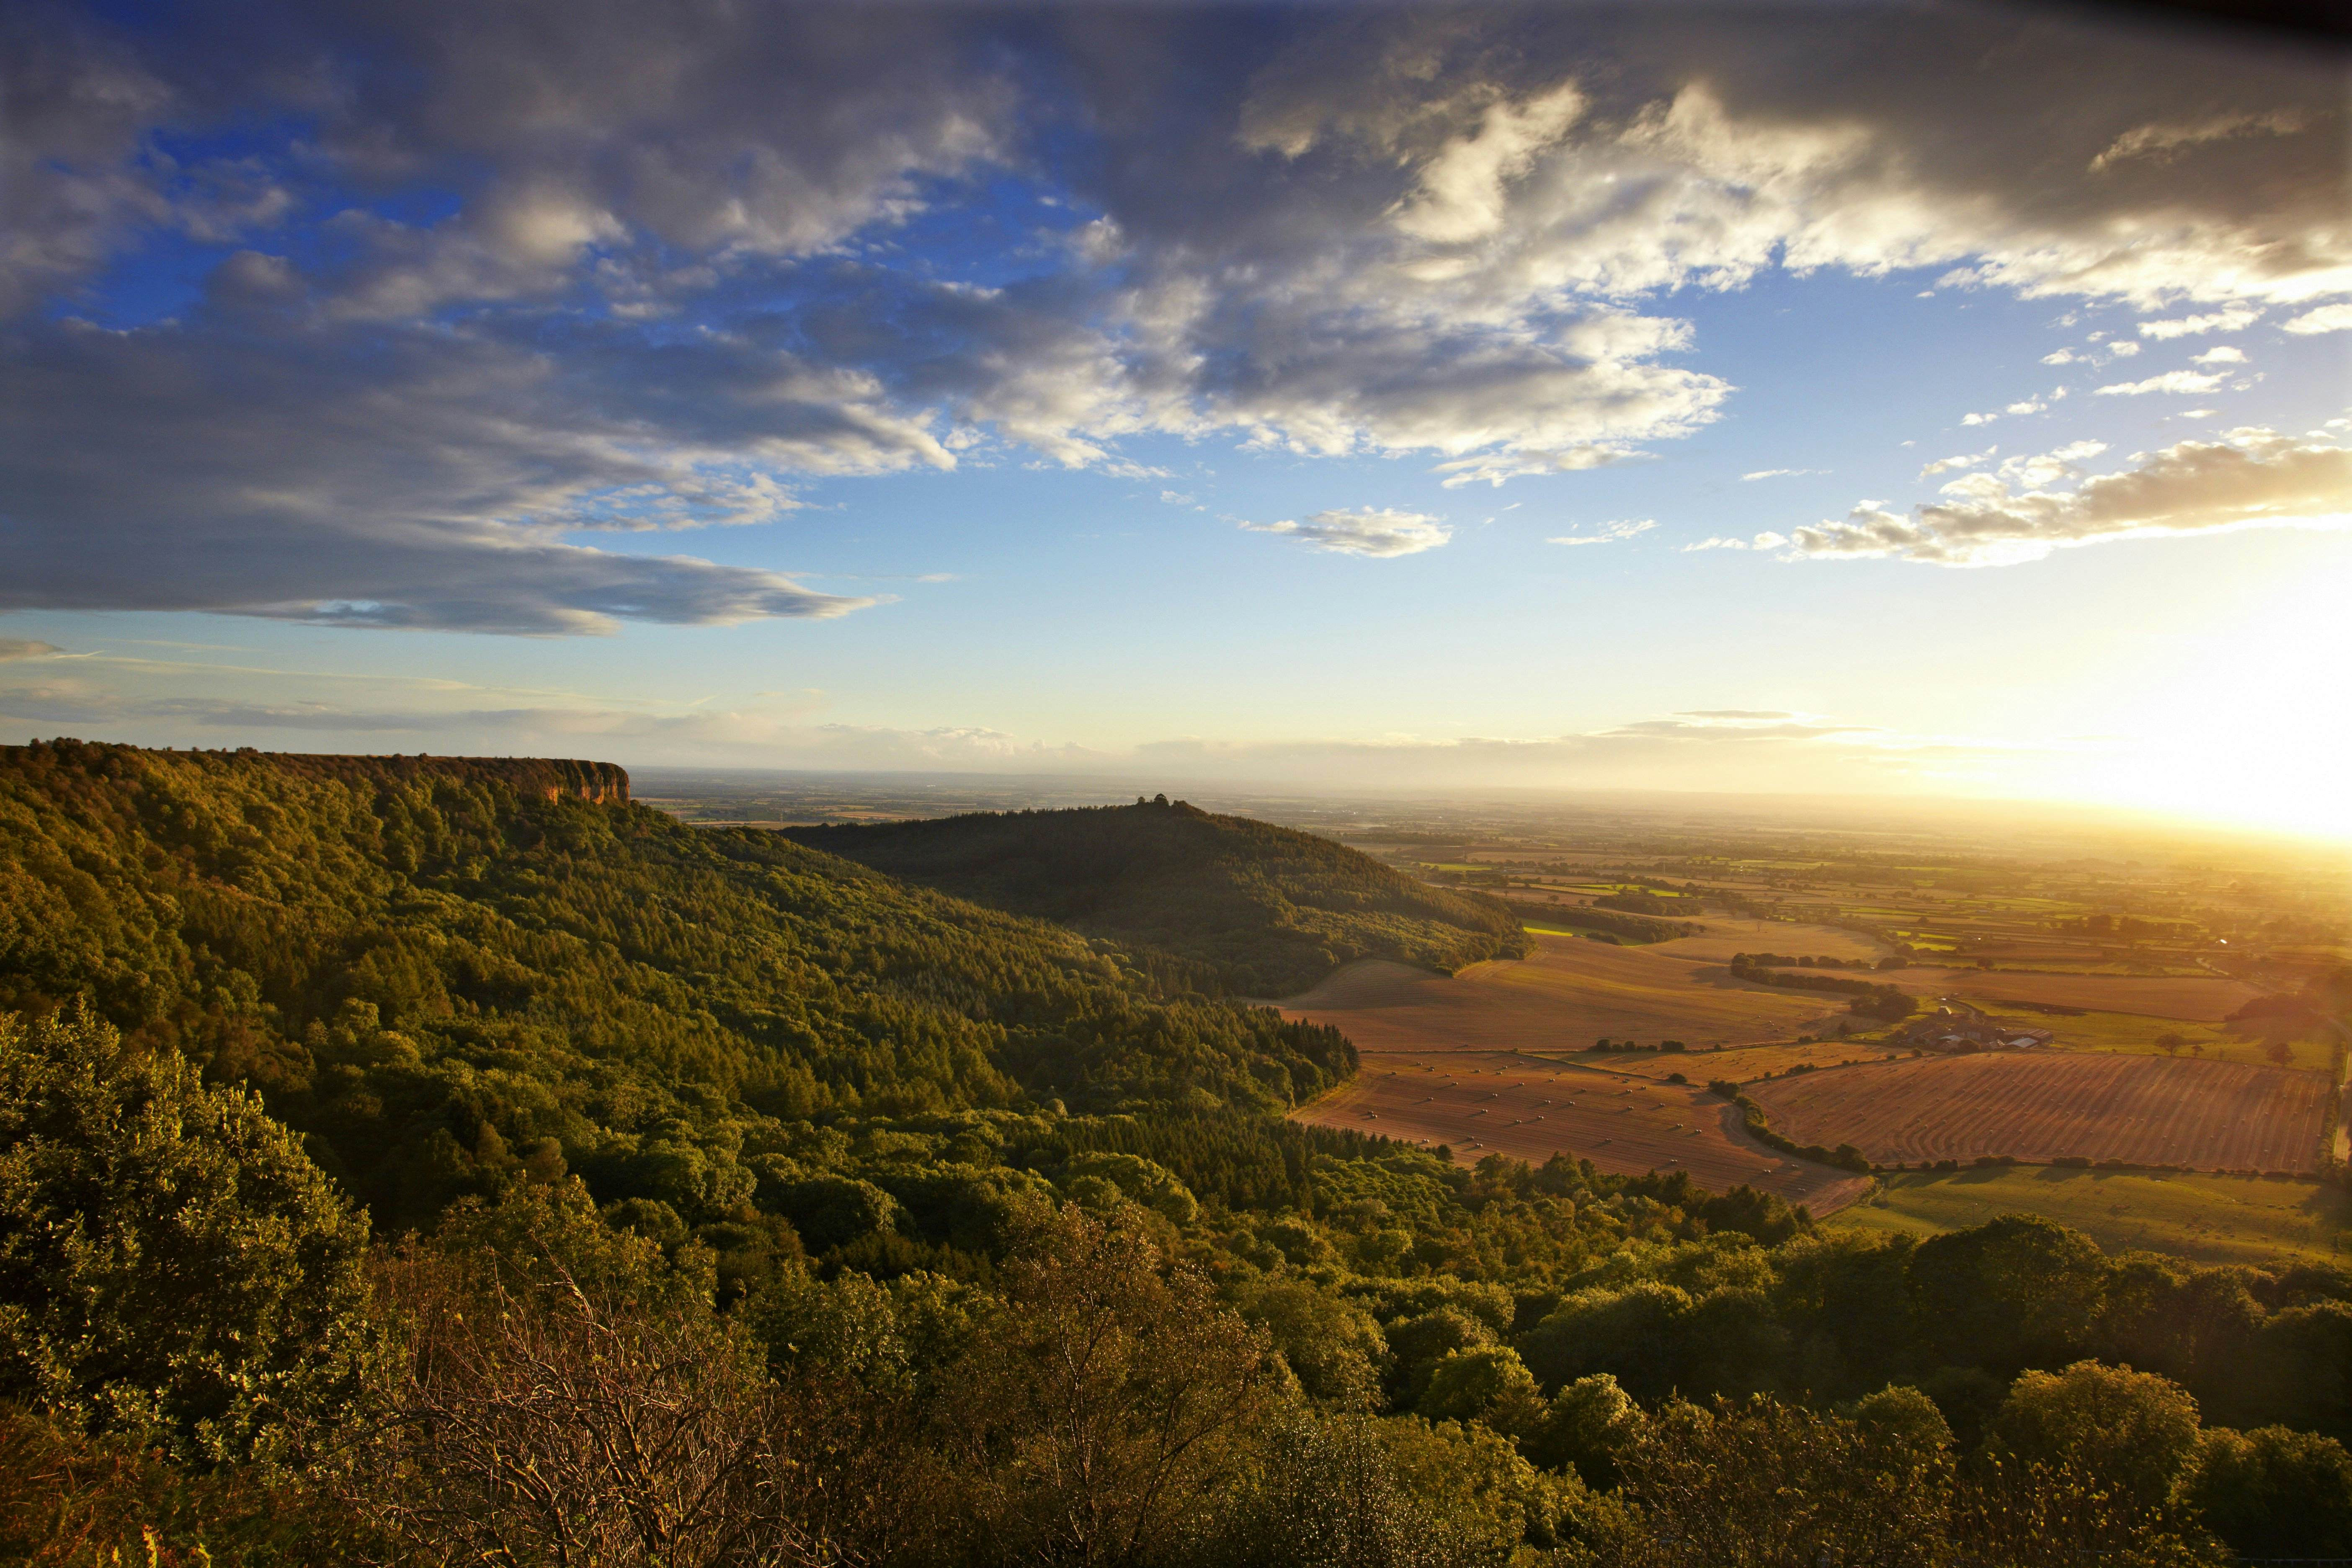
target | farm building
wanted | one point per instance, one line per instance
(1952, 1033)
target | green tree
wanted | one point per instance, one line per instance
(2133, 1431)
(2276, 1492)
(1490, 1383)
(2017, 1290)
(1107, 1406)
(171, 1266)
(1589, 1427)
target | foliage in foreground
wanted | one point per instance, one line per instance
(1121, 1374)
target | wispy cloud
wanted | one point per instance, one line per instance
(1608, 532)
(2223, 320)
(1780, 473)
(2175, 381)
(1379, 532)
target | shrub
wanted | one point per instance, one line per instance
(174, 1269)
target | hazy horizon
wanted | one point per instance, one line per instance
(1914, 404)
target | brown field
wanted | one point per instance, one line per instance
(1481, 1103)
(2039, 1106)
(2195, 999)
(1727, 934)
(1569, 994)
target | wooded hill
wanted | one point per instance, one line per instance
(441, 970)
(1269, 911)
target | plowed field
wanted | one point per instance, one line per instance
(1492, 1102)
(1568, 995)
(2039, 1106)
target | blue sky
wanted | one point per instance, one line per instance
(1202, 391)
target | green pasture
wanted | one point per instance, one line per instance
(2136, 1033)
(2206, 1219)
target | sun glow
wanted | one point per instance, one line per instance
(2247, 722)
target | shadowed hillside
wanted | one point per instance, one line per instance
(1272, 910)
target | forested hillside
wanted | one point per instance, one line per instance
(1270, 910)
(768, 1210)
(443, 970)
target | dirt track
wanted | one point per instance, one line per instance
(2039, 1106)
(1480, 1103)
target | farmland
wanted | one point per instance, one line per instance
(1570, 993)
(2193, 998)
(2210, 1218)
(2041, 1106)
(1486, 1102)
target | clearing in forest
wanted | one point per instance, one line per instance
(2042, 1106)
(1481, 1103)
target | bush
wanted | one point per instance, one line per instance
(174, 1269)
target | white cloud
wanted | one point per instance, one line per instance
(2249, 479)
(2048, 467)
(1373, 531)
(2224, 354)
(2063, 356)
(2225, 320)
(1964, 460)
(1610, 533)
(2326, 318)
(2181, 381)
(1780, 473)
(1767, 540)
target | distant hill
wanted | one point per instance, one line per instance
(1270, 911)
(449, 971)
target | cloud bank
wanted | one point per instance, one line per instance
(2251, 478)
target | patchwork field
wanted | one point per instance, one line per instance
(1568, 995)
(2042, 1106)
(1480, 1103)
(2211, 1219)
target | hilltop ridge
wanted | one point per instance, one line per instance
(1269, 911)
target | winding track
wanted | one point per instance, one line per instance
(1498, 1103)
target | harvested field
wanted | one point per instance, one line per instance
(1568, 995)
(2043, 1106)
(1483, 1103)
(1727, 934)
(2198, 999)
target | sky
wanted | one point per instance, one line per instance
(1830, 398)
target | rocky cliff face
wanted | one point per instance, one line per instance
(551, 778)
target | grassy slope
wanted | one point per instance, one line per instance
(2211, 1219)
(1271, 910)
